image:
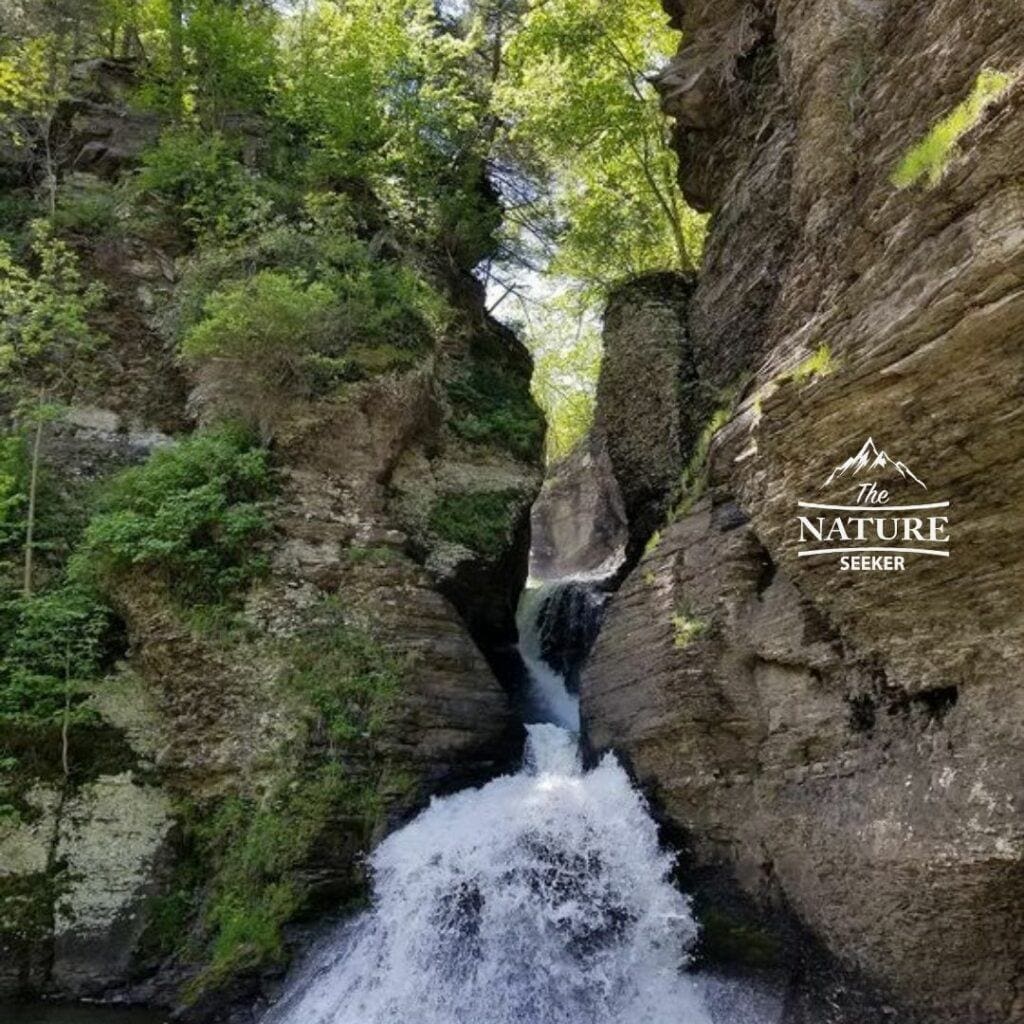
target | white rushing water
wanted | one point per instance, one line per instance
(548, 699)
(540, 898)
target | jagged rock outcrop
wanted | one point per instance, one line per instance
(578, 524)
(643, 414)
(104, 132)
(848, 742)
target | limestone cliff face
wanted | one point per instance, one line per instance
(848, 743)
(105, 881)
(578, 524)
(643, 415)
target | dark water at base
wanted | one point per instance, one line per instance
(51, 1013)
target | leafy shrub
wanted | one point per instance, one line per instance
(378, 301)
(495, 408)
(91, 212)
(44, 313)
(236, 52)
(269, 323)
(338, 314)
(192, 515)
(201, 184)
(480, 521)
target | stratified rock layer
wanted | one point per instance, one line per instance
(644, 413)
(578, 524)
(849, 742)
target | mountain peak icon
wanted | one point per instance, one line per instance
(871, 457)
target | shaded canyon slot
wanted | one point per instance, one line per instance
(543, 897)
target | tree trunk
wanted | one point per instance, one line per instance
(49, 169)
(66, 723)
(30, 522)
(175, 35)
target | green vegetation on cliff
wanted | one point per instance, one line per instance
(478, 520)
(928, 158)
(192, 516)
(249, 863)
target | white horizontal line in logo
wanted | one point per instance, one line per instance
(872, 508)
(888, 551)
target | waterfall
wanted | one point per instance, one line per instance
(548, 698)
(540, 898)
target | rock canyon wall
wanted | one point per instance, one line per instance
(847, 744)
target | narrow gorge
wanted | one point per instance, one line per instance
(372, 652)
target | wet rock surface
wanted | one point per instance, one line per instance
(578, 524)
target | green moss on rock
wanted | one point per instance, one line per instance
(928, 158)
(481, 520)
(493, 406)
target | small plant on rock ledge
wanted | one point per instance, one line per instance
(687, 628)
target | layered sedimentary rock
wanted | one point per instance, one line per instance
(644, 401)
(369, 539)
(847, 742)
(578, 524)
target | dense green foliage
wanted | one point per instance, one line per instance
(336, 314)
(494, 408)
(577, 97)
(55, 643)
(44, 313)
(567, 361)
(197, 179)
(191, 516)
(478, 520)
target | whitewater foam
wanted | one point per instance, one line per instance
(540, 898)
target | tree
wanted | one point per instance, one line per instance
(566, 344)
(44, 330)
(54, 647)
(578, 104)
(33, 81)
(386, 96)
